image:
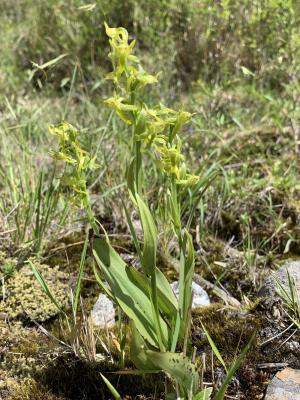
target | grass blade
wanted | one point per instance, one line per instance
(214, 347)
(232, 370)
(111, 388)
(44, 286)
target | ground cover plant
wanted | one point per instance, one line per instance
(133, 193)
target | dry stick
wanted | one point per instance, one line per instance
(276, 336)
(272, 365)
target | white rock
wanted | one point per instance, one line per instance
(200, 296)
(285, 385)
(103, 313)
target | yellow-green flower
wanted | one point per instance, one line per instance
(78, 160)
(116, 103)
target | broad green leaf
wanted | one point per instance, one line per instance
(129, 294)
(133, 232)
(137, 351)
(204, 394)
(167, 301)
(102, 284)
(165, 293)
(189, 262)
(150, 237)
(130, 180)
(185, 287)
(178, 366)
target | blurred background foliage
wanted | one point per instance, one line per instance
(235, 64)
(214, 41)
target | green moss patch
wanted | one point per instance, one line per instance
(24, 298)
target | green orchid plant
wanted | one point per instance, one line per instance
(160, 323)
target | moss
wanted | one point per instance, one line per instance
(25, 298)
(229, 329)
(28, 389)
(23, 349)
(7, 383)
(23, 355)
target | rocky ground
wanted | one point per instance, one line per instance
(41, 354)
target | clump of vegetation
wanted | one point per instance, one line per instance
(24, 298)
(155, 334)
(23, 357)
(28, 389)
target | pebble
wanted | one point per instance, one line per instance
(200, 296)
(103, 312)
(285, 385)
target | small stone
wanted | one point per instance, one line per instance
(285, 385)
(103, 313)
(200, 296)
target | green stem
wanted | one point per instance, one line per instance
(90, 213)
(138, 166)
(155, 311)
(176, 212)
(182, 317)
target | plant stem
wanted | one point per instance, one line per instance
(90, 213)
(138, 165)
(155, 311)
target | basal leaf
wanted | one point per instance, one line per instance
(150, 237)
(204, 394)
(167, 301)
(178, 366)
(130, 295)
